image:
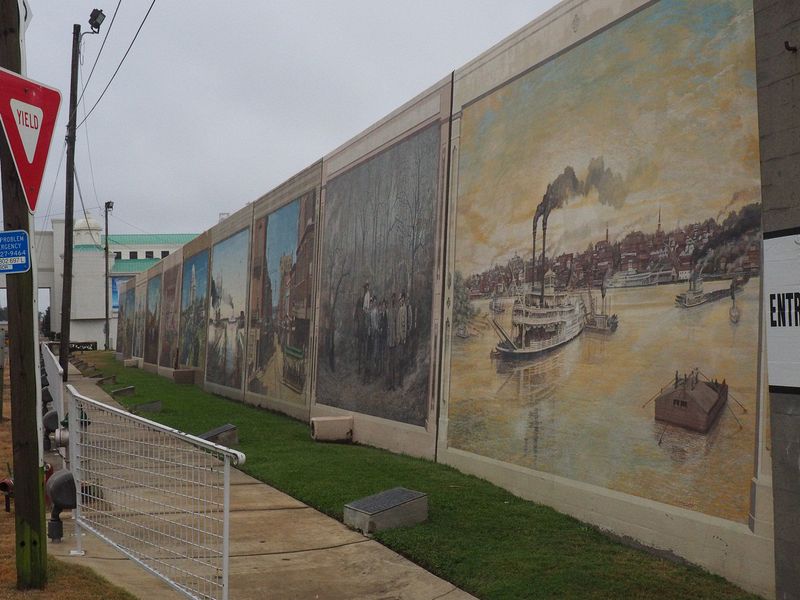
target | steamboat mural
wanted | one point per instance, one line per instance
(226, 323)
(605, 317)
(375, 286)
(281, 302)
(194, 293)
(170, 314)
(152, 319)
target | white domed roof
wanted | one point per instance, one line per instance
(87, 224)
(87, 231)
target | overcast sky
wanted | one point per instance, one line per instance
(219, 102)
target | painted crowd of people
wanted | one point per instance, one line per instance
(382, 337)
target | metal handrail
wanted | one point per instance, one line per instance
(237, 458)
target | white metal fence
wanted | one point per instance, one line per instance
(55, 379)
(160, 496)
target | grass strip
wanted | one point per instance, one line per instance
(478, 536)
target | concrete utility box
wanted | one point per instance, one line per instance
(332, 429)
(183, 376)
(398, 507)
(226, 435)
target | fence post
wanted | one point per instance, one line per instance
(73, 464)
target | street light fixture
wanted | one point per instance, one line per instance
(96, 19)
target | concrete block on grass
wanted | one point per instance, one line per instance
(125, 391)
(185, 376)
(130, 362)
(108, 379)
(225, 435)
(147, 407)
(397, 507)
(332, 429)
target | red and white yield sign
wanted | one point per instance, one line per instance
(28, 112)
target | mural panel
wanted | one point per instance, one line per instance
(280, 301)
(376, 297)
(226, 325)
(125, 321)
(194, 294)
(115, 283)
(139, 320)
(152, 321)
(605, 319)
(170, 314)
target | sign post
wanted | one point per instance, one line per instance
(28, 112)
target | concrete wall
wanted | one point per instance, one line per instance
(573, 428)
(777, 24)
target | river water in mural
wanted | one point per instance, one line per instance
(577, 411)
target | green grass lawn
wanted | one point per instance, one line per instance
(478, 536)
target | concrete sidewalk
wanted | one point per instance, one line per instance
(279, 549)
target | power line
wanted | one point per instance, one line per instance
(89, 148)
(119, 65)
(131, 225)
(53, 190)
(83, 206)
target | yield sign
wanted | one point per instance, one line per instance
(28, 112)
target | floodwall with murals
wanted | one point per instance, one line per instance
(543, 270)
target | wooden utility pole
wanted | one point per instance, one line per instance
(69, 202)
(31, 540)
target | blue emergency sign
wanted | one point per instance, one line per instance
(15, 251)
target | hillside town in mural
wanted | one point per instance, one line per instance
(605, 308)
(125, 321)
(281, 302)
(170, 314)
(194, 291)
(227, 323)
(376, 297)
(139, 321)
(152, 319)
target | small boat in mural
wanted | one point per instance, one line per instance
(733, 312)
(600, 321)
(695, 296)
(691, 402)
(541, 322)
(496, 305)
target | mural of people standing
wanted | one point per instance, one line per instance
(377, 266)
